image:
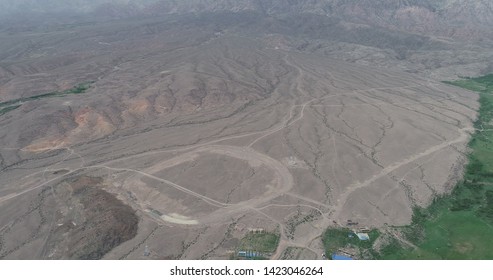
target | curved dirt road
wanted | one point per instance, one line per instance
(283, 178)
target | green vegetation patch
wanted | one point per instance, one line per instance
(482, 84)
(5, 110)
(10, 105)
(264, 242)
(336, 239)
(459, 225)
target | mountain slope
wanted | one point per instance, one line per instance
(451, 18)
(459, 18)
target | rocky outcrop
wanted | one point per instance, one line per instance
(91, 221)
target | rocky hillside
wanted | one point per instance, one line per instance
(451, 18)
(454, 18)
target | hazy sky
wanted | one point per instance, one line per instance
(26, 6)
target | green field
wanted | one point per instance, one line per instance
(10, 105)
(337, 238)
(265, 242)
(459, 225)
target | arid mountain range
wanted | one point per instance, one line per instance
(467, 19)
(174, 129)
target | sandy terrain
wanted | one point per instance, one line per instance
(209, 139)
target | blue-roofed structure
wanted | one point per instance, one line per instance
(249, 254)
(336, 257)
